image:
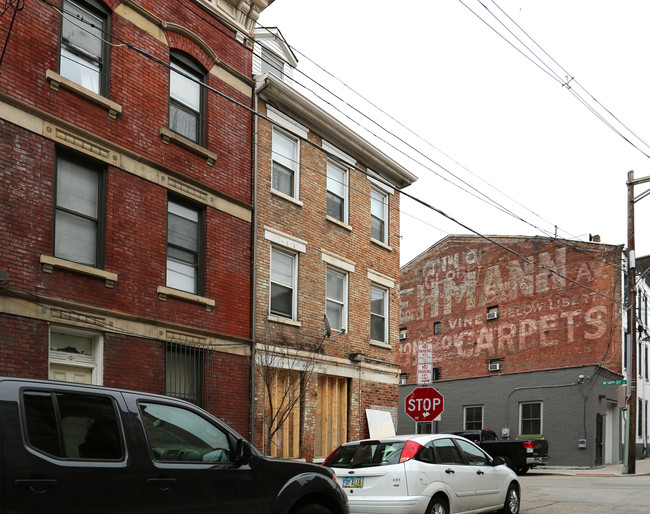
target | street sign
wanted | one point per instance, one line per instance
(614, 382)
(424, 404)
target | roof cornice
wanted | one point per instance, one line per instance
(288, 100)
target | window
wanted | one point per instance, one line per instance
(379, 215)
(493, 312)
(447, 452)
(379, 314)
(337, 192)
(175, 434)
(473, 418)
(474, 455)
(73, 426)
(272, 64)
(186, 98)
(76, 356)
(403, 378)
(435, 374)
(83, 52)
(530, 418)
(283, 283)
(336, 299)
(437, 327)
(285, 164)
(79, 219)
(184, 372)
(184, 247)
(424, 427)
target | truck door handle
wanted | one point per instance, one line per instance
(449, 471)
(36, 485)
(163, 483)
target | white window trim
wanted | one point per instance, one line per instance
(287, 241)
(296, 129)
(294, 285)
(541, 415)
(386, 290)
(473, 407)
(385, 219)
(346, 282)
(380, 279)
(346, 195)
(295, 164)
(339, 154)
(337, 261)
(95, 362)
(379, 184)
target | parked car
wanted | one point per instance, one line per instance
(69, 448)
(519, 454)
(423, 474)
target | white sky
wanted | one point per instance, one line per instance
(506, 127)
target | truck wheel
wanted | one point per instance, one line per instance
(311, 508)
(438, 505)
(511, 505)
(522, 470)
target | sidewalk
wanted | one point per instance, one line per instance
(642, 468)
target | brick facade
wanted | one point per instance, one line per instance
(42, 115)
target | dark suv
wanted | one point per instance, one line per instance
(69, 448)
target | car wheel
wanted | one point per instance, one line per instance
(511, 505)
(311, 508)
(438, 505)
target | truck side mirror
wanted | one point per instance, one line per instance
(244, 451)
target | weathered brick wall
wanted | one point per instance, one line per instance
(136, 209)
(545, 320)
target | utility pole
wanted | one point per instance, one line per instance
(631, 321)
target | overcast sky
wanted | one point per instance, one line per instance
(452, 101)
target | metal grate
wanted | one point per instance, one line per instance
(184, 372)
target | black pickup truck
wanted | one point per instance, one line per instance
(520, 454)
(71, 448)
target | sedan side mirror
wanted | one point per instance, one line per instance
(498, 461)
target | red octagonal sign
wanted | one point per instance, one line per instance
(424, 404)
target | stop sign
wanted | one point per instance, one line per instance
(424, 404)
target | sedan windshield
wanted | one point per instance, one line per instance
(364, 454)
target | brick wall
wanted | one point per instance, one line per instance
(564, 313)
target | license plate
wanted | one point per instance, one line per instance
(352, 482)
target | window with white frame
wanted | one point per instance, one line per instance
(79, 210)
(336, 302)
(379, 215)
(473, 415)
(186, 97)
(378, 313)
(83, 54)
(337, 191)
(530, 418)
(271, 63)
(285, 163)
(184, 247)
(284, 266)
(76, 355)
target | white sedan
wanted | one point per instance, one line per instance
(423, 474)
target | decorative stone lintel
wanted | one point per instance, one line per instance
(59, 81)
(49, 263)
(169, 136)
(164, 292)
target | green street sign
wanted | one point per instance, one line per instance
(614, 382)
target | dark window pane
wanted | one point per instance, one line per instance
(281, 300)
(334, 206)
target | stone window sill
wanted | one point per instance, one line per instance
(339, 223)
(169, 136)
(380, 344)
(50, 263)
(380, 244)
(59, 81)
(288, 198)
(164, 292)
(286, 321)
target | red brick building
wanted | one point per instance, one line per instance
(519, 333)
(126, 196)
(327, 242)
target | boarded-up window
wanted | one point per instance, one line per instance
(332, 415)
(282, 411)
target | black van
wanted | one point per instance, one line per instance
(69, 448)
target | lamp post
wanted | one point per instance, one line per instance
(631, 323)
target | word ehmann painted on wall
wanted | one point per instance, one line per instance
(540, 302)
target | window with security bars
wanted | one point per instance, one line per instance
(83, 53)
(184, 372)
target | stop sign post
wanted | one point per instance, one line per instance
(424, 404)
